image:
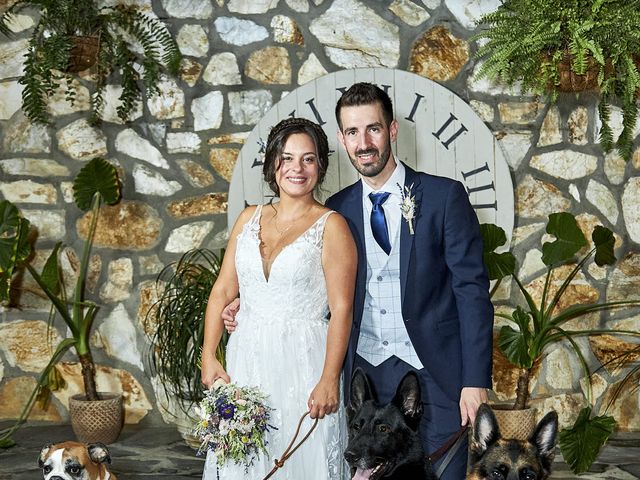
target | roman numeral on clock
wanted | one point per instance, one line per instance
(414, 108)
(481, 188)
(454, 135)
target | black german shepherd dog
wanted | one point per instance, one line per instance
(384, 442)
(497, 458)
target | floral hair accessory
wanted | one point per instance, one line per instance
(408, 205)
(232, 423)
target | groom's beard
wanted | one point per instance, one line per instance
(373, 169)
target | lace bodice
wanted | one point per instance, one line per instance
(296, 273)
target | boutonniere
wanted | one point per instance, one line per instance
(408, 205)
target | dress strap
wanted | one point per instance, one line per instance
(255, 218)
(316, 231)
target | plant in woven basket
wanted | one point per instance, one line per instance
(96, 183)
(573, 45)
(543, 321)
(119, 43)
(177, 319)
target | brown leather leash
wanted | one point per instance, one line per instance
(451, 446)
(289, 450)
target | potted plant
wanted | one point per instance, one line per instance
(572, 45)
(97, 182)
(540, 323)
(177, 323)
(74, 35)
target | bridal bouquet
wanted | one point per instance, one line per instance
(232, 422)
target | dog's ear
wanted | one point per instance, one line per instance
(360, 390)
(408, 396)
(544, 438)
(485, 430)
(43, 454)
(98, 453)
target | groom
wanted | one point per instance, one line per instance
(422, 293)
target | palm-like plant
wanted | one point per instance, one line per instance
(178, 320)
(96, 183)
(540, 324)
(125, 40)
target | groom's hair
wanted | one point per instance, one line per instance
(364, 93)
(277, 140)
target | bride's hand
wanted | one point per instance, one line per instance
(211, 371)
(324, 398)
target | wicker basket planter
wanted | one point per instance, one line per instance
(571, 81)
(96, 421)
(518, 424)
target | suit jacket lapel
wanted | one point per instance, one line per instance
(411, 181)
(353, 211)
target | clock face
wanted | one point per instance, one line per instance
(438, 133)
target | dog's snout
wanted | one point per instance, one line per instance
(56, 477)
(351, 457)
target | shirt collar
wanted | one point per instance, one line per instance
(391, 185)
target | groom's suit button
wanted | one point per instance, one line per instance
(383, 311)
(379, 278)
(385, 343)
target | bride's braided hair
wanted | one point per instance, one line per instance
(277, 140)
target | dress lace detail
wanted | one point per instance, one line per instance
(279, 346)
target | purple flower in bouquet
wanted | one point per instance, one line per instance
(226, 411)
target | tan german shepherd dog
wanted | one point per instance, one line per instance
(496, 458)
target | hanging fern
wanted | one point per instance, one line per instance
(120, 29)
(525, 41)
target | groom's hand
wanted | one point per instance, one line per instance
(470, 400)
(229, 315)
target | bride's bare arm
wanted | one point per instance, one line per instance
(224, 290)
(339, 262)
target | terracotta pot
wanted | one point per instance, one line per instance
(84, 53)
(96, 420)
(518, 424)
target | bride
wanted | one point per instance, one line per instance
(294, 265)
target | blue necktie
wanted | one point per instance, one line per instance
(378, 220)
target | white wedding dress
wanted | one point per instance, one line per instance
(279, 346)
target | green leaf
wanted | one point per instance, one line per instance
(499, 265)
(50, 275)
(10, 220)
(515, 343)
(7, 443)
(569, 239)
(493, 236)
(581, 443)
(604, 241)
(97, 176)
(14, 247)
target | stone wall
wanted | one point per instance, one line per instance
(176, 158)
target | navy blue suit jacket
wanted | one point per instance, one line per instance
(444, 285)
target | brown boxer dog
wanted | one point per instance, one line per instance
(75, 461)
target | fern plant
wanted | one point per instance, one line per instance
(528, 41)
(130, 45)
